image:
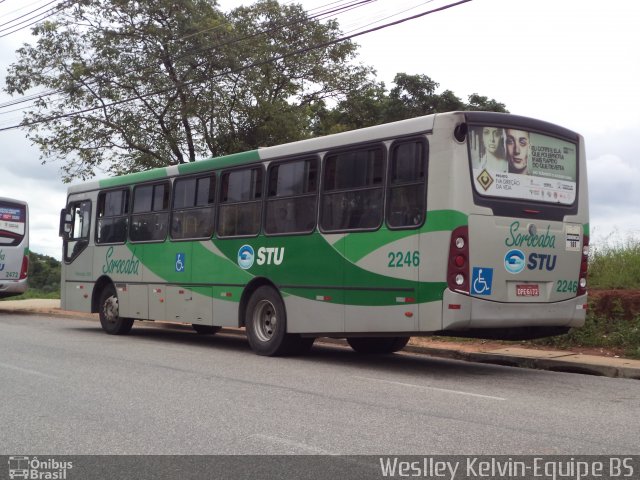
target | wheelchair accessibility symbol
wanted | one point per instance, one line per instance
(180, 262)
(481, 281)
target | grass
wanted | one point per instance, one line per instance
(609, 332)
(36, 293)
(615, 265)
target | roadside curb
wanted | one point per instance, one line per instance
(557, 361)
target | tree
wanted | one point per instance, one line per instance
(412, 96)
(167, 82)
(44, 273)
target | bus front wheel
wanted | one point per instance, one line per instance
(110, 318)
(266, 324)
(377, 345)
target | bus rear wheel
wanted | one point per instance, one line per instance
(266, 324)
(377, 345)
(110, 318)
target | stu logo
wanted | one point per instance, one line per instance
(270, 255)
(540, 261)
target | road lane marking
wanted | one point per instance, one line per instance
(291, 443)
(26, 370)
(426, 387)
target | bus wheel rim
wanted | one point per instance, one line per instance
(111, 309)
(265, 320)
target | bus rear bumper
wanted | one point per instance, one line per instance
(9, 288)
(463, 312)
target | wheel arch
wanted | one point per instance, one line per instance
(99, 286)
(251, 287)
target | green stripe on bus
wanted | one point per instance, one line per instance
(437, 221)
(155, 174)
(585, 229)
(219, 162)
(301, 276)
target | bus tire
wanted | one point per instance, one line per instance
(110, 318)
(377, 345)
(205, 329)
(266, 324)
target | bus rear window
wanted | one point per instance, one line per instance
(523, 165)
(12, 223)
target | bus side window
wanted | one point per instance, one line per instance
(112, 213)
(352, 190)
(291, 197)
(78, 238)
(240, 208)
(406, 196)
(192, 214)
(150, 217)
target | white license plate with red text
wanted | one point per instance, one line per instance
(532, 290)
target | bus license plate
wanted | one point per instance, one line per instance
(527, 290)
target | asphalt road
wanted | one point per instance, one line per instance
(67, 388)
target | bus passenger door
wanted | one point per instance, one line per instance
(77, 254)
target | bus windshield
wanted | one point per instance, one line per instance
(524, 165)
(12, 223)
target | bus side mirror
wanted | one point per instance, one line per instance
(65, 223)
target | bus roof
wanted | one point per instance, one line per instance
(403, 127)
(410, 126)
(13, 200)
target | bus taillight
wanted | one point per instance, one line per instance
(25, 267)
(458, 265)
(584, 265)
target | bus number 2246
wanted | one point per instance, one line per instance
(404, 259)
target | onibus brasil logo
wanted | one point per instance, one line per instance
(33, 468)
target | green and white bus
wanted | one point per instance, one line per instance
(14, 247)
(465, 223)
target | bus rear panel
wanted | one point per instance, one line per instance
(14, 247)
(527, 235)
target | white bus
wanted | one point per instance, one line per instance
(464, 223)
(14, 247)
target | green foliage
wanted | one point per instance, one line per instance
(602, 332)
(168, 82)
(615, 265)
(412, 96)
(44, 273)
(44, 278)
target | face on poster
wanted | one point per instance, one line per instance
(519, 164)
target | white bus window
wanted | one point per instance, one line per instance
(407, 184)
(113, 220)
(150, 218)
(353, 190)
(240, 203)
(291, 198)
(13, 220)
(192, 215)
(518, 164)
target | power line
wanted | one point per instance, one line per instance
(42, 16)
(24, 15)
(253, 65)
(349, 5)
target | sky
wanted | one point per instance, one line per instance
(575, 63)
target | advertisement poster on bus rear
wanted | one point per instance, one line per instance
(523, 165)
